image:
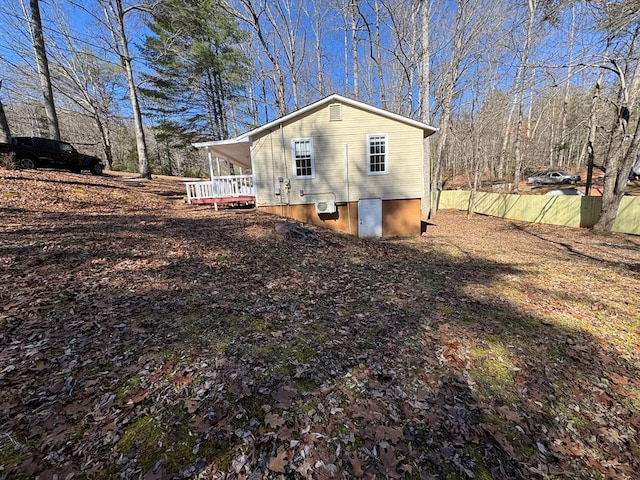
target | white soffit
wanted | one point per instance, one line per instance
(237, 151)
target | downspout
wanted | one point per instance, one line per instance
(253, 175)
(273, 173)
(346, 181)
(287, 182)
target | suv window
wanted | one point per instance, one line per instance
(50, 144)
(66, 147)
(26, 141)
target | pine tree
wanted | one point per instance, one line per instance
(199, 69)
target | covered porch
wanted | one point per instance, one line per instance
(230, 188)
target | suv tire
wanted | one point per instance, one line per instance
(26, 163)
(96, 169)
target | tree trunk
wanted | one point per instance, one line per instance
(592, 132)
(378, 59)
(563, 152)
(502, 167)
(354, 49)
(425, 113)
(125, 58)
(106, 140)
(5, 132)
(552, 136)
(448, 84)
(618, 164)
(43, 69)
(474, 186)
(318, 22)
(517, 173)
(621, 153)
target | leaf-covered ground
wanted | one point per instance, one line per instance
(144, 338)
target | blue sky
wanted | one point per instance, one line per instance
(86, 32)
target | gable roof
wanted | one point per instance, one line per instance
(237, 149)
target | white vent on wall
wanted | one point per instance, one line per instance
(335, 112)
(328, 206)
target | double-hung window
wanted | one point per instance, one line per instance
(378, 154)
(302, 153)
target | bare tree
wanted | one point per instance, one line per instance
(424, 108)
(287, 17)
(35, 25)
(114, 18)
(318, 12)
(255, 15)
(622, 147)
(621, 23)
(375, 49)
(470, 27)
(89, 83)
(562, 148)
(405, 34)
(532, 9)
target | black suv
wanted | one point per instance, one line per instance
(34, 152)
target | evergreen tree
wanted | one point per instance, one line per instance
(199, 69)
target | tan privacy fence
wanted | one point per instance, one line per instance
(568, 210)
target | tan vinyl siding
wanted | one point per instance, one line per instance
(271, 153)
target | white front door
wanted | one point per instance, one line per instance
(370, 217)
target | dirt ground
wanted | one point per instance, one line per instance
(141, 337)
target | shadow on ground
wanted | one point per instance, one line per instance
(165, 346)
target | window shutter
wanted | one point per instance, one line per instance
(335, 112)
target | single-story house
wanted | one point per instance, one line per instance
(338, 162)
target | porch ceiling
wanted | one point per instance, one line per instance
(235, 151)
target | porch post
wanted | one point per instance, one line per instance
(211, 175)
(210, 167)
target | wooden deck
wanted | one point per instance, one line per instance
(228, 189)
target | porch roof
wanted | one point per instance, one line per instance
(235, 150)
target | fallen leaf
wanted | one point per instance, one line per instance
(388, 458)
(392, 434)
(192, 405)
(510, 414)
(183, 379)
(279, 462)
(273, 420)
(285, 396)
(356, 466)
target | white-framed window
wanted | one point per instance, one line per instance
(377, 154)
(302, 154)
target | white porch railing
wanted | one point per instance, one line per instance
(221, 187)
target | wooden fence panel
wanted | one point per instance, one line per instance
(565, 210)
